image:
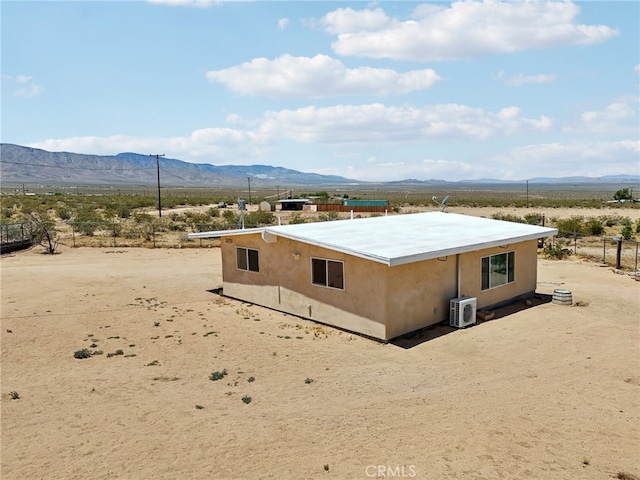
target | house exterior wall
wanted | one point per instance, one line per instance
(526, 274)
(284, 283)
(378, 301)
(418, 295)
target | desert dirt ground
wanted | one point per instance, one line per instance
(540, 392)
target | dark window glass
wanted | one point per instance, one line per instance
(247, 259)
(335, 274)
(511, 267)
(253, 260)
(241, 258)
(318, 271)
(498, 270)
(485, 273)
(328, 273)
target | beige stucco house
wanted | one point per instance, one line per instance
(382, 276)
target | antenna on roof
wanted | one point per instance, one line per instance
(242, 206)
(443, 203)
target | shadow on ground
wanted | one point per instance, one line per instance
(423, 335)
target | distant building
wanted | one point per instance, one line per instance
(293, 204)
(365, 203)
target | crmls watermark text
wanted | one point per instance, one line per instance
(390, 471)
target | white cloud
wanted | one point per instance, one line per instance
(520, 79)
(390, 125)
(234, 119)
(282, 23)
(637, 68)
(378, 169)
(315, 77)
(466, 29)
(618, 116)
(364, 126)
(584, 158)
(187, 3)
(27, 87)
(29, 91)
(208, 145)
(349, 21)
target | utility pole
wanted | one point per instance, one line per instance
(527, 193)
(158, 155)
(249, 180)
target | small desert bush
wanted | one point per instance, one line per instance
(246, 399)
(627, 229)
(14, 395)
(533, 218)
(329, 216)
(507, 217)
(259, 218)
(218, 375)
(141, 218)
(555, 251)
(80, 354)
(296, 218)
(626, 476)
(594, 226)
(570, 226)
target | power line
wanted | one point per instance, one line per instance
(158, 155)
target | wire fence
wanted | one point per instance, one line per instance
(103, 234)
(14, 236)
(613, 251)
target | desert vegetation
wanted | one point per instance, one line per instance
(118, 217)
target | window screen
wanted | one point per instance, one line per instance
(328, 273)
(498, 270)
(247, 259)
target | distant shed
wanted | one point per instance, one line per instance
(267, 207)
(365, 203)
(293, 204)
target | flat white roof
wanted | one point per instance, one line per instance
(399, 239)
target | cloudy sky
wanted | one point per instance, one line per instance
(371, 91)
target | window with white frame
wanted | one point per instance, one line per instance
(498, 270)
(328, 273)
(247, 259)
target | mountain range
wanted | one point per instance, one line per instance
(19, 164)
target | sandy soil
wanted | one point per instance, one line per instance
(540, 392)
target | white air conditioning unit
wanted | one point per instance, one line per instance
(462, 312)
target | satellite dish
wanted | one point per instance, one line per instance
(443, 203)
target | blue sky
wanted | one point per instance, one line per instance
(372, 91)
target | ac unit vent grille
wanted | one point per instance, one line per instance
(462, 312)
